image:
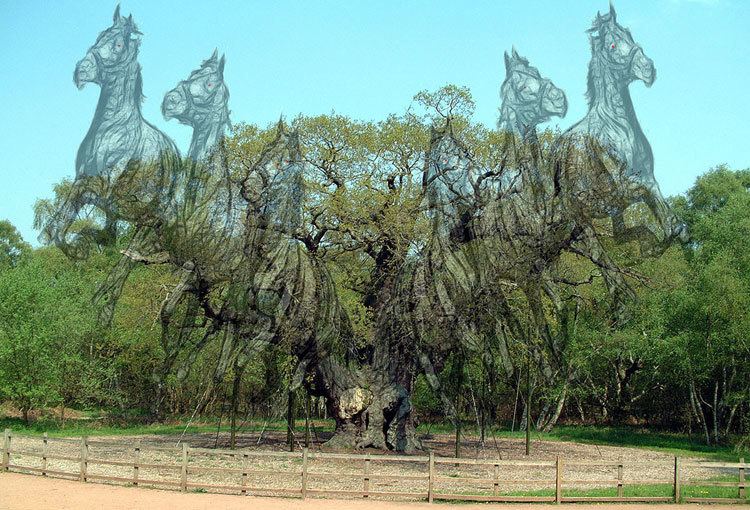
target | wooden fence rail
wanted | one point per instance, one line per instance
(430, 481)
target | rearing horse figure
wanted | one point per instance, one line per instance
(201, 101)
(118, 134)
(616, 61)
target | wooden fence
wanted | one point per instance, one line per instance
(428, 481)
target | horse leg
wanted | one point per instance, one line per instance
(670, 225)
(618, 289)
(109, 292)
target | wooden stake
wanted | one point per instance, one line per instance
(430, 477)
(366, 478)
(742, 492)
(304, 473)
(496, 484)
(677, 488)
(45, 452)
(136, 461)
(558, 480)
(244, 473)
(183, 472)
(6, 450)
(84, 458)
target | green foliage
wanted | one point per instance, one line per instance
(46, 325)
(12, 245)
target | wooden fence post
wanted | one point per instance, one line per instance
(304, 473)
(45, 452)
(496, 482)
(558, 480)
(620, 492)
(183, 471)
(366, 478)
(244, 473)
(677, 488)
(6, 450)
(136, 461)
(430, 477)
(84, 458)
(742, 492)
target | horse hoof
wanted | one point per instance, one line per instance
(680, 231)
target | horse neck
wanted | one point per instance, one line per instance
(609, 97)
(517, 121)
(207, 134)
(120, 98)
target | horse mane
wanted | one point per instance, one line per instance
(595, 37)
(594, 73)
(139, 85)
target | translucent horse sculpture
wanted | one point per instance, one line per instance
(201, 101)
(528, 99)
(616, 61)
(118, 133)
(118, 136)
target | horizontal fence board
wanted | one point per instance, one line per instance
(498, 499)
(106, 462)
(490, 480)
(717, 465)
(43, 455)
(610, 481)
(55, 439)
(489, 462)
(596, 463)
(112, 478)
(212, 469)
(266, 490)
(241, 452)
(373, 458)
(617, 499)
(191, 485)
(369, 476)
(40, 470)
(343, 492)
(706, 483)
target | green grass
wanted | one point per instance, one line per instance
(87, 427)
(631, 491)
(634, 437)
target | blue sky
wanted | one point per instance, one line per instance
(367, 59)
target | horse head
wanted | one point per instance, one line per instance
(277, 182)
(201, 98)
(616, 52)
(528, 99)
(115, 49)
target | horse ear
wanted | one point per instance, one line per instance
(515, 53)
(612, 13)
(507, 62)
(214, 56)
(222, 61)
(116, 15)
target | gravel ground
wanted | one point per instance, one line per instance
(640, 466)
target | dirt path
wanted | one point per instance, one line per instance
(27, 492)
